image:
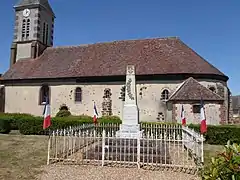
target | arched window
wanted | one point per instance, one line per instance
(28, 28)
(44, 94)
(44, 32)
(212, 89)
(23, 28)
(78, 94)
(165, 95)
(46, 41)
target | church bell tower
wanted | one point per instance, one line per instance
(33, 30)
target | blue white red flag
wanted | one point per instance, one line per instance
(95, 114)
(203, 126)
(47, 115)
(183, 118)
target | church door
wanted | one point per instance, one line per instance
(212, 115)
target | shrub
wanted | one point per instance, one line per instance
(109, 119)
(226, 166)
(63, 113)
(5, 126)
(31, 126)
(220, 134)
(64, 107)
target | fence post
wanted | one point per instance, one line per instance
(202, 148)
(138, 151)
(103, 146)
(49, 144)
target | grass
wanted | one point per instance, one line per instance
(211, 151)
(21, 157)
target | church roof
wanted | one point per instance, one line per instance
(43, 3)
(156, 56)
(192, 90)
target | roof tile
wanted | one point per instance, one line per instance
(191, 89)
(150, 56)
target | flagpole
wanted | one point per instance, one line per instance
(49, 144)
(202, 148)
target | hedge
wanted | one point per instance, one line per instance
(32, 125)
(5, 126)
(220, 134)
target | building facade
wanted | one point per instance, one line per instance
(169, 74)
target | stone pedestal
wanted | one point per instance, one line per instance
(130, 127)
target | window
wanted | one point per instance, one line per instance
(44, 26)
(78, 94)
(165, 95)
(196, 108)
(46, 41)
(44, 94)
(45, 33)
(28, 28)
(23, 28)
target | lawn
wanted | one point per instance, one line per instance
(21, 157)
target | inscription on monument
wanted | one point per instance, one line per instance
(129, 91)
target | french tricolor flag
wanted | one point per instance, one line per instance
(95, 114)
(203, 127)
(183, 117)
(47, 115)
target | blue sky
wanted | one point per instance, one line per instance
(210, 27)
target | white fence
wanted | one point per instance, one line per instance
(161, 146)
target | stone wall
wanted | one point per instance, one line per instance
(25, 99)
(212, 113)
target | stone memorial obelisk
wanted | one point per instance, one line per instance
(130, 127)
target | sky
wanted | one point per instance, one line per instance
(210, 27)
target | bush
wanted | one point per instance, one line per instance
(226, 166)
(31, 126)
(5, 126)
(109, 119)
(15, 118)
(63, 113)
(219, 135)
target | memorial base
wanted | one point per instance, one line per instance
(129, 131)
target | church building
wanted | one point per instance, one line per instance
(169, 74)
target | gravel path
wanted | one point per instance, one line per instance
(71, 172)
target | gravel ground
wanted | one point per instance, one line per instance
(71, 172)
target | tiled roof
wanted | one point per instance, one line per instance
(191, 89)
(150, 57)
